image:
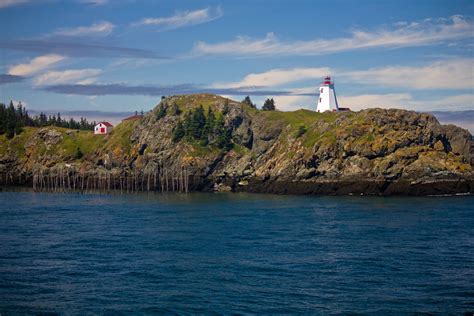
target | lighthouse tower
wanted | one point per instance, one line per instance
(327, 97)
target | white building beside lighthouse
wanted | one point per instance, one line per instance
(327, 97)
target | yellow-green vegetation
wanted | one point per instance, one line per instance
(71, 144)
(84, 141)
(16, 145)
(241, 150)
(294, 118)
(119, 139)
(303, 124)
(189, 102)
(199, 150)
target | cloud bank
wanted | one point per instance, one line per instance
(94, 2)
(5, 78)
(277, 77)
(429, 31)
(11, 3)
(76, 49)
(446, 74)
(147, 90)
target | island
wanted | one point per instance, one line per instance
(205, 142)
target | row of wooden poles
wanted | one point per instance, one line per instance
(67, 180)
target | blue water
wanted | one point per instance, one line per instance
(235, 253)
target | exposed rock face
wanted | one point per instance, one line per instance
(374, 151)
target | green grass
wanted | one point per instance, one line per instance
(239, 149)
(3, 144)
(188, 102)
(201, 151)
(310, 138)
(120, 137)
(17, 143)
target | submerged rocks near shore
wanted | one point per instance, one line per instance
(374, 151)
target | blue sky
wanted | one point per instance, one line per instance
(122, 55)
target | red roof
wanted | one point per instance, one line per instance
(133, 117)
(106, 124)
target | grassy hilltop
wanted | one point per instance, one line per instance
(228, 145)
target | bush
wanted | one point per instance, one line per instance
(161, 112)
(78, 154)
(300, 131)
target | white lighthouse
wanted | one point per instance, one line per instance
(327, 97)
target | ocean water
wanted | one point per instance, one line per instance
(235, 253)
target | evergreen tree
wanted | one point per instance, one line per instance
(206, 129)
(248, 101)
(178, 132)
(161, 112)
(12, 119)
(198, 120)
(209, 126)
(175, 110)
(224, 140)
(269, 105)
(3, 118)
(226, 107)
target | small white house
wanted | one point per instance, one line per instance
(103, 128)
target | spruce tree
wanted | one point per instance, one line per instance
(248, 101)
(269, 105)
(209, 126)
(3, 119)
(178, 132)
(198, 120)
(12, 122)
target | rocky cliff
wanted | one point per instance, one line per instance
(375, 151)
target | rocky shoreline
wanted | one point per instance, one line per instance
(371, 152)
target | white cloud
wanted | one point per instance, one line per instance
(389, 100)
(11, 3)
(88, 81)
(182, 19)
(94, 2)
(80, 76)
(35, 65)
(292, 103)
(429, 31)
(97, 29)
(276, 77)
(446, 74)
(407, 101)
(453, 103)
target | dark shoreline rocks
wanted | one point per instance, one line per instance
(369, 187)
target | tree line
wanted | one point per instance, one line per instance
(205, 129)
(14, 118)
(268, 105)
